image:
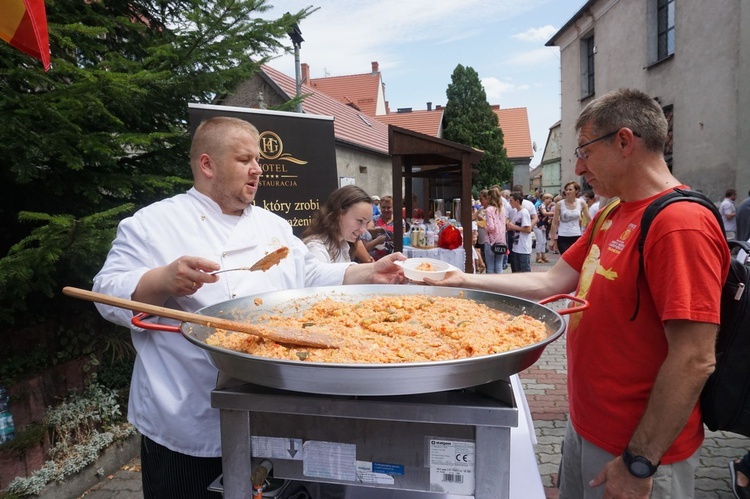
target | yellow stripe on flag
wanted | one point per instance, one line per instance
(11, 14)
(23, 24)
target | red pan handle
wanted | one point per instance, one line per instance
(140, 321)
(584, 304)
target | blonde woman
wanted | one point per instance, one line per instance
(571, 213)
(496, 218)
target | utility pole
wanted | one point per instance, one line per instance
(296, 35)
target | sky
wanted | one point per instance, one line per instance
(418, 44)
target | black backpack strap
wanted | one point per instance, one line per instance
(650, 213)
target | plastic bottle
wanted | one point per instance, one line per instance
(7, 428)
(417, 240)
(429, 237)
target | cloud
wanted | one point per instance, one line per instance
(542, 34)
(495, 88)
(543, 55)
(461, 36)
(336, 45)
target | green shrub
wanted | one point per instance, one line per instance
(81, 427)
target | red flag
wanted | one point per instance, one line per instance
(23, 24)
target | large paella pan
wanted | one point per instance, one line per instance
(370, 379)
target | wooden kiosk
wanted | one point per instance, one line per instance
(416, 155)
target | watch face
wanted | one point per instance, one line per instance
(640, 469)
(638, 466)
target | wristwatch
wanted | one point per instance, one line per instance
(639, 466)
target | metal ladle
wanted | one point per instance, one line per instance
(265, 263)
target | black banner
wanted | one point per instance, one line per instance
(298, 158)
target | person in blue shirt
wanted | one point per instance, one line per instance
(375, 207)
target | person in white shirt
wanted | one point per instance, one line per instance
(505, 198)
(336, 228)
(728, 214)
(163, 255)
(528, 204)
(519, 226)
(530, 207)
(571, 215)
(593, 202)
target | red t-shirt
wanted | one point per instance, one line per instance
(613, 361)
(380, 253)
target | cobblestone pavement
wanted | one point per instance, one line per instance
(124, 484)
(545, 387)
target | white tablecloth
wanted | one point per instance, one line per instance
(456, 257)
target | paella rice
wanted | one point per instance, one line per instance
(425, 266)
(394, 329)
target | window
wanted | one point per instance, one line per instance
(665, 28)
(588, 49)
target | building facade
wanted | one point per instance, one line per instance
(362, 154)
(550, 167)
(693, 56)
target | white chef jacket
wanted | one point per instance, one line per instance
(172, 378)
(318, 248)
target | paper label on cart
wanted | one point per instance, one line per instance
(330, 460)
(452, 466)
(366, 473)
(277, 448)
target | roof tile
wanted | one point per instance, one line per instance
(349, 125)
(358, 90)
(426, 122)
(515, 124)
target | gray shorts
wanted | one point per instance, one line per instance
(582, 461)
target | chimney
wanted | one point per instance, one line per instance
(438, 107)
(305, 73)
(429, 106)
(375, 68)
(401, 110)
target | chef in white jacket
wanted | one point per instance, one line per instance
(163, 255)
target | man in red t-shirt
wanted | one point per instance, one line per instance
(635, 426)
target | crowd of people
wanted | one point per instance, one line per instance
(556, 222)
(506, 233)
(633, 380)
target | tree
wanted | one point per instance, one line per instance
(105, 131)
(470, 120)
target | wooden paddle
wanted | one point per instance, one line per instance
(296, 337)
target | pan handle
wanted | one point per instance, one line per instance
(140, 321)
(584, 304)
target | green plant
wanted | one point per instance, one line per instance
(81, 426)
(470, 120)
(26, 438)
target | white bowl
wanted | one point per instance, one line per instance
(410, 269)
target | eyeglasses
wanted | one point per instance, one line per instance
(581, 154)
